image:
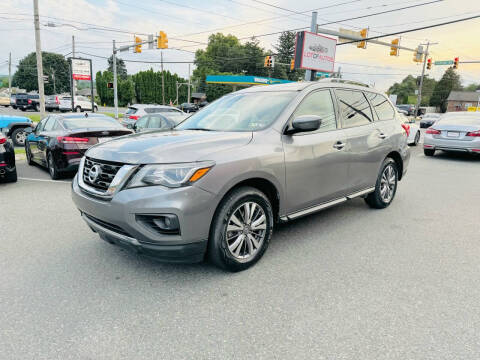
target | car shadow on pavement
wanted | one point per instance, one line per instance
(456, 156)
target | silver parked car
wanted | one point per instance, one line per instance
(458, 131)
(136, 111)
(216, 185)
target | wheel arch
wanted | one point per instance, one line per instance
(395, 155)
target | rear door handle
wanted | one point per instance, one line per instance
(339, 145)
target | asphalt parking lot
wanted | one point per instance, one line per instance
(347, 283)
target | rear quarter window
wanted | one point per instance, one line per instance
(381, 106)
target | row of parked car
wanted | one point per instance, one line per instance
(63, 103)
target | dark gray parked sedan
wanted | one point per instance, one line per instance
(217, 184)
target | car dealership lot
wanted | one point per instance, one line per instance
(346, 283)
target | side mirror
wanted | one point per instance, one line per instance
(305, 123)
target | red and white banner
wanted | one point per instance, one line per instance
(315, 52)
(81, 69)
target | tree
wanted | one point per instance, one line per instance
(126, 89)
(449, 81)
(404, 89)
(472, 87)
(26, 75)
(285, 49)
(121, 68)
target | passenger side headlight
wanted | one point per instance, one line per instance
(170, 175)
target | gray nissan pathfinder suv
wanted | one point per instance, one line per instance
(216, 185)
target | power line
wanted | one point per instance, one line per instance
(412, 30)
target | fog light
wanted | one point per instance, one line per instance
(166, 222)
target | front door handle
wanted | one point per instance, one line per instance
(339, 145)
(382, 135)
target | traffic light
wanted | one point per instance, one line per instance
(363, 44)
(429, 63)
(418, 54)
(138, 46)
(162, 41)
(292, 65)
(269, 61)
(455, 63)
(394, 50)
(110, 85)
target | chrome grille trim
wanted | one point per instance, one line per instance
(111, 181)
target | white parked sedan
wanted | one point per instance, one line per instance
(414, 134)
(80, 103)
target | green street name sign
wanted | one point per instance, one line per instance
(444, 62)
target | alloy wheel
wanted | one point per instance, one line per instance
(388, 183)
(20, 137)
(246, 230)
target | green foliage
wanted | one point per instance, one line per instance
(472, 87)
(26, 75)
(148, 87)
(285, 49)
(121, 68)
(126, 89)
(449, 81)
(404, 89)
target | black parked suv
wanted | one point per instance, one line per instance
(28, 102)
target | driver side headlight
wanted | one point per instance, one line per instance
(170, 175)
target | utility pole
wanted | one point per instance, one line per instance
(38, 47)
(309, 74)
(115, 92)
(419, 96)
(53, 78)
(10, 74)
(74, 82)
(188, 96)
(163, 79)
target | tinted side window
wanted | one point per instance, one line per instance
(381, 105)
(41, 125)
(319, 103)
(49, 124)
(354, 108)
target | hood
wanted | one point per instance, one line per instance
(168, 146)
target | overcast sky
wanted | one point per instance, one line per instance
(188, 24)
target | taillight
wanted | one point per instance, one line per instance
(474, 133)
(433, 131)
(406, 128)
(134, 117)
(29, 101)
(3, 140)
(56, 100)
(71, 140)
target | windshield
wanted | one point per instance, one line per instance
(240, 112)
(91, 122)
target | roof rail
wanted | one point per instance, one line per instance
(343, 81)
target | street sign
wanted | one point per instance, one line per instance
(315, 52)
(444, 62)
(45, 79)
(81, 69)
(321, 74)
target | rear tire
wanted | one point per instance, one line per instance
(241, 229)
(429, 152)
(12, 177)
(78, 109)
(385, 187)
(18, 137)
(52, 168)
(417, 139)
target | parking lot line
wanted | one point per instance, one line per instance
(44, 180)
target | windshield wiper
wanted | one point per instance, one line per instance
(200, 129)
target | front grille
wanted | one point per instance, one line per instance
(109, 226)
(106, 173)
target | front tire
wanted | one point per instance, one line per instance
(28, 153)
(241, 229)
(386, 186)
(18, 137)
(417, 139)
(52, 168)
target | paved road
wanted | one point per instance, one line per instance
(347, 283)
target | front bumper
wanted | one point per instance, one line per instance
(116, 220)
